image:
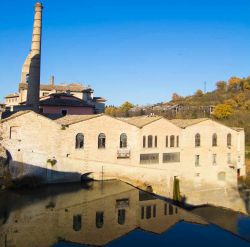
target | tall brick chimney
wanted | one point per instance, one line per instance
(31, 67)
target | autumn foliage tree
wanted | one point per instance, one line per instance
(222, 111)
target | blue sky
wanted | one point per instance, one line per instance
(136, 50)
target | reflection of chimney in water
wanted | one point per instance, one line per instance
(52, 81)
(31, 67)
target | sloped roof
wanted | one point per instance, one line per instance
(74, 87)
(140, 121)
(64, 102)
(72, 119)
(16, 114)
(183, 123)
(12, 95)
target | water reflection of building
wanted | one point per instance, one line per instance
(94, 217)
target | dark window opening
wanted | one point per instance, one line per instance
(197, 140)
(79, 141)
(150, 141)
(171, 157)
(229, 140)
(171, 141)
(155, 141)
(121, 216)
(144, 141)
(214, 140)
(64, 112)
(99, 220)
(101, 140)
(149, 158)
(77, 222)
(171, 209)
(148, 212)
(123, 140)
(142, 213)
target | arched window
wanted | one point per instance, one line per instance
(123, 140)
(79, 141)
(197, 140)
(229, 140)
(101, 140)
(121, 216)
(214, 140)
(77, 222)
(144, 141)
(172, 141)
(150, 141)
(99, 219)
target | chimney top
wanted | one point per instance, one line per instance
(52, 80)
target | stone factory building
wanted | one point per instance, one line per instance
(202, 153)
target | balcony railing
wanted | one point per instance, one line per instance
(123, 153)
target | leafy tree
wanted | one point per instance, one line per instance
(176, 97)
(221, 86)
(199, 93)
(222, 111)
(231, 102)
(234, 83)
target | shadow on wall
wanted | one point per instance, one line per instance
(27, 175)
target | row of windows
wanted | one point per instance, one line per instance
(214, 140)
(171, 141)
(99, 219)
(79, 142)
(147, 212)
(150, 141)
(221, 176)
(153, 158)
(214, 159)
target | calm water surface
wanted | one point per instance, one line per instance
(112, 213)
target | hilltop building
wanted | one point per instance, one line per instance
(30, 93)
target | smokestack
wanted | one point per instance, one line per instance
(52, 81)
(31, 67)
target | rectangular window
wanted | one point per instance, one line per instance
(144, 141)
(15, 133)
(154, 211)
(171, 209)
(142, 213)
(197, 160)
(177, 141)
(155, 141)
(148, 212)
(165, 209)
(214, 159)
(149, 158)
(229, 158)
(171, 157)
(166, 141)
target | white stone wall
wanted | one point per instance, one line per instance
(40, 139)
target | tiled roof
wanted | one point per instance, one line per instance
(11, 95)
(72, 119)
(140, 121)
(64, 102)
(74, 87)
(237, 128)
(183, 123)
